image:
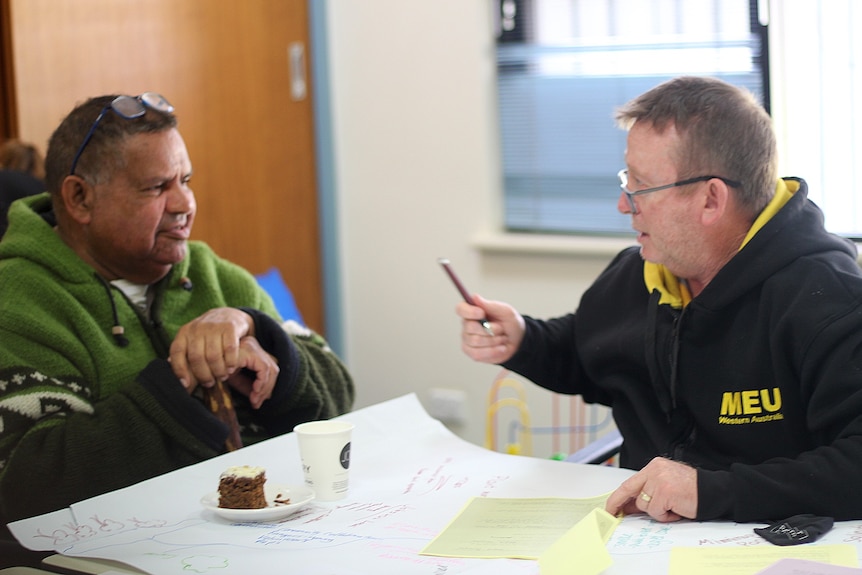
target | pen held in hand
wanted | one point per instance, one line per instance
(486, 325)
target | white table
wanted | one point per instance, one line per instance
(409, 477)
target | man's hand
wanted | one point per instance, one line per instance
(664, 489)
(207, 349)
(506, 323)
(257, 372)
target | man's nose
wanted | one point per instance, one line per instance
(182, 199)
(623, 204)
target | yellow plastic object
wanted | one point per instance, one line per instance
(519, 403)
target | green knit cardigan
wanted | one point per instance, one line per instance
(82, 414)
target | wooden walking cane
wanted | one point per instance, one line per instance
(219, 401)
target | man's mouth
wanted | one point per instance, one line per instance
(179, 231)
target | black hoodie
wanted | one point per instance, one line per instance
(757, 382)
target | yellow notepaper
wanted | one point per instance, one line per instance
(748, 560)
(582, 549)
(516, 528)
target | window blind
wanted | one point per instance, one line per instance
(565, 65)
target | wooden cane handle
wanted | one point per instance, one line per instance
(220, 403)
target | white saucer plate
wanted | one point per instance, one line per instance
(299, 496)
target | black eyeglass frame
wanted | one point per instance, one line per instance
(129, 108)
(624, 180)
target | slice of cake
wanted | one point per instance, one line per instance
(241, 487)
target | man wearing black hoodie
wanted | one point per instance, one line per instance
(729, 344)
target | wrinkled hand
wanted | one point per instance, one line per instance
(257, 372)
(506, 323)
(207, 349)
(666, 490)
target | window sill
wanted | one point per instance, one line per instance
(547, 244)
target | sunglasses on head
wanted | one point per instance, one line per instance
(128, 107)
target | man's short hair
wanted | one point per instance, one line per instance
(102, 155)
(724, 131)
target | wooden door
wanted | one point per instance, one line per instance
(225, 66)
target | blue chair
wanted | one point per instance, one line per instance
(272, 282)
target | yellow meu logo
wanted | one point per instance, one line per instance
(750, 402)
(750, 406)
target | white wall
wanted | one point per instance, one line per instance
(415, 132)
(416, 156)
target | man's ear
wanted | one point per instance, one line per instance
(78, 198)
(716, 201)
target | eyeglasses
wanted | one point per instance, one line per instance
(623, 175)
(128, 107)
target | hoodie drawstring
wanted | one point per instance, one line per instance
(117, 330)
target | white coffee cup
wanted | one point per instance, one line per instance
(324, 447)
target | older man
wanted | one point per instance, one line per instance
(729, 345)
(113, 324)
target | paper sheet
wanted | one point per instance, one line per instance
(516, 528)
(806, 567)
(747, 560)
(582, 549)
(409, 476)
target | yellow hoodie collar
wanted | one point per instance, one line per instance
(675, 292)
